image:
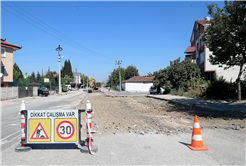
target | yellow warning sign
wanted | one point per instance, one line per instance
(39, 130)
(65, 130)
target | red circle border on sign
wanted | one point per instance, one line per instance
(57, 129)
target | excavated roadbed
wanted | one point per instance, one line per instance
(142, 115)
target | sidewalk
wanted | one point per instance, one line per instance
(31, 99)
(217, 105)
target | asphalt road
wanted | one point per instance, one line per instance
(10, 123)
(226, 147)
(123, 93)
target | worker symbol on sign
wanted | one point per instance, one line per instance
(39, 132)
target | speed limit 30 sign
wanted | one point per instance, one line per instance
(65, 130)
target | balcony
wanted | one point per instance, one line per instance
(193, 56)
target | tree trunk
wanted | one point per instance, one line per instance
(239, 83)
(238, 90)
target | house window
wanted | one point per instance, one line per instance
(3, 70)
(202, 57)
(3, 52)
(202, 43)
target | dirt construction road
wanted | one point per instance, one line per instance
(144, 115)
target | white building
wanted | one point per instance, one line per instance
(200, 53)
(138, 84)
(76, 78)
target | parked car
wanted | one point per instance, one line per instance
(153, 90)
(43, 91)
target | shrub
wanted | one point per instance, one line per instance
(220, 89)
(64, 87)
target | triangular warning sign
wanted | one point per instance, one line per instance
(39, 132)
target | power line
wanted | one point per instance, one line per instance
(56, 30)
(66, 38)
(45, 31)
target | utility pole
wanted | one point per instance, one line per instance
(76, 78)
(83, 81)
(59, 57)
(111, 80)
(118, 63)
(87, 83)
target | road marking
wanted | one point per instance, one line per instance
(11, 145)
(10, 135)
(9, 141)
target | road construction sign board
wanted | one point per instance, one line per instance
(52, 126)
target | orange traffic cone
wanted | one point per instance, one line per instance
(108, 93)
(196, 142)
(115, 94)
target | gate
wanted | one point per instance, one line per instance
(23, 92)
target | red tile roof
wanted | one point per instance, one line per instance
(139, 79)
(190, 49)
(203, 21)
(9, 45)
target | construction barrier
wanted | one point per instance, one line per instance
(52, 126)
(88, 111)
(196, 142)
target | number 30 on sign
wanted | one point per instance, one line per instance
(65, 130)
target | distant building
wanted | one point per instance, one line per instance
(199, 53)
(138, 84)
(76, 79)
(6, 59)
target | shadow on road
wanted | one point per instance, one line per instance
(184, 143)
(53, 146)
(224, 113)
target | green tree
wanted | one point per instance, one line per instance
(149, 74)
(70, 72)
(54, 79)
(131, 71)
(176, 75)
(32, 78)
(18, 78)
(226, 37)
(67, 69)
(38, 77)
(67, 79)
(115, 76)
(85, 78)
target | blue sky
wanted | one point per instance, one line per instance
(145, 34)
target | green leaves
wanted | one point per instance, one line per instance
(17, 73)
(67, 79)
(130, 72)
(177, 74)
(127, 73)
(67, 69)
